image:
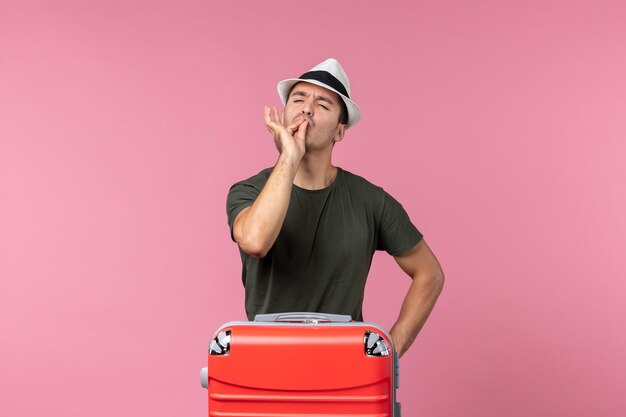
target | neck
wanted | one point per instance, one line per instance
(315, 172)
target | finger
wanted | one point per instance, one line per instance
(276, 117)
(302, 130)
(269, 122)
(273, 128)
(269, 117)
(266, 115)
(294, 126)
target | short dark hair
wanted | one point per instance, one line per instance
(343, 109)
(343, 113)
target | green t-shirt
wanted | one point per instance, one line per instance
(323, 253)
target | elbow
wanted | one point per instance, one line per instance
(256, 253)
(439, 279)
(251, 243)
(255, 249)
(431, 283)
(433, 280)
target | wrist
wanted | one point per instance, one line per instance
(291, 160)
(402, 337)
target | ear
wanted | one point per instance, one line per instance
(340, 132)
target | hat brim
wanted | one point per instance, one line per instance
(285, 86)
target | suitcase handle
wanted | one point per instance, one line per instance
(303, 317)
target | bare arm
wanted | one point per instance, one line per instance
(256, 228)
(422, 266)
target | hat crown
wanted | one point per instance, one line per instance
(333, 67)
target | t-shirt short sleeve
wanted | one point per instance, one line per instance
(396, 233)
(241, 195)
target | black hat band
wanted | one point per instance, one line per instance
(326, 78)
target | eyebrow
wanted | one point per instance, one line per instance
(318, 96)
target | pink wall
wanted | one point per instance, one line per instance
(500, 126)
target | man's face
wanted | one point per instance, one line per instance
(321, 107)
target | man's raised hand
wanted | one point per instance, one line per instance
(288, 140)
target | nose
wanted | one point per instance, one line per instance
(307, 108)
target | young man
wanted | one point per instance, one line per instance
(307, 230)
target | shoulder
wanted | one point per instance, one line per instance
(244, 193)
(357, 182)
(368, 192)
(360, 186)
(256, 181)
(364, 191)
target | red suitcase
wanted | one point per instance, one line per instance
(301, 364)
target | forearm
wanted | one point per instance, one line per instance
(259, 226)
(416, 308)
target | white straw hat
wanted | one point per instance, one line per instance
(330, 75)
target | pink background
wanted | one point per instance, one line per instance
(500, 126)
